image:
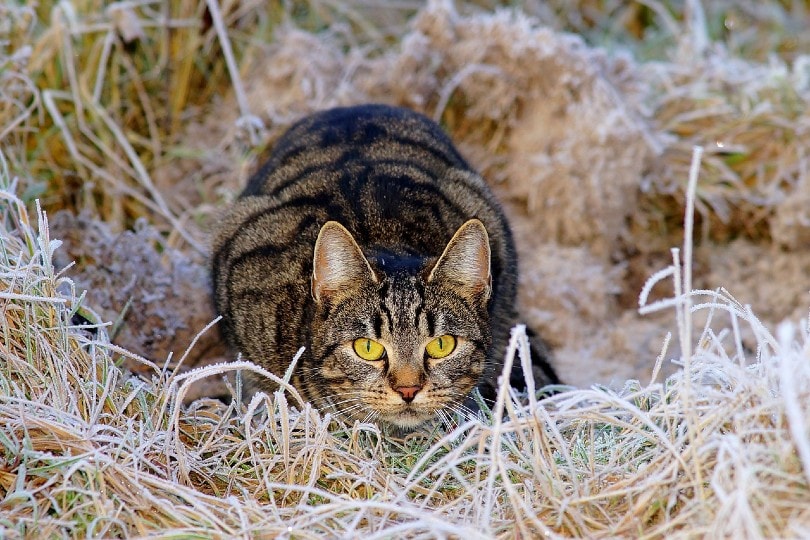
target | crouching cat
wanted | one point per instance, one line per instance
(369, 240)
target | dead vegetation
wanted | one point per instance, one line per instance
(132, 123)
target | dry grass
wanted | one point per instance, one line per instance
(719, 449)
(109, 110)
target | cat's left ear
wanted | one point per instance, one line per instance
(464, 265)
(339, 267)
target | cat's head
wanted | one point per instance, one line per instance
(398, 339)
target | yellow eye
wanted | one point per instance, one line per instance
(368, 349)
(441, 346)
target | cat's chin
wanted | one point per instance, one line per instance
(407, 420)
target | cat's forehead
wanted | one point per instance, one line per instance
(400, 301)
(401, 290)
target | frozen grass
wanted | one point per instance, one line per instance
(719, 449)
(95, 101)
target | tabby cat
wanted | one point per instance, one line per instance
(367, 238)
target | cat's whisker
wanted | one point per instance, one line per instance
(343, 401)
(369, 417)
(350, 414)
(456, 403)
(341, 398)
(452, 409)
(446, 421)
(464, 412)
(340, 405)
(349, 393)
(350, 410)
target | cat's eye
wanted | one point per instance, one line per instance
(368, 349)
(441, 346)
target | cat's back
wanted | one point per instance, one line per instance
(391, 176)
(345, 142)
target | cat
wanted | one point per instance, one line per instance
(368, 239)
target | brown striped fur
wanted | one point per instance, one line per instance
(401, 194)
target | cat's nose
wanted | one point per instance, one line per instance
(408, 392)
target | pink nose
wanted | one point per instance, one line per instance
(408, 392)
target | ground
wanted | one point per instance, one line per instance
(134, 124)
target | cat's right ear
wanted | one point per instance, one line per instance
(338, 265)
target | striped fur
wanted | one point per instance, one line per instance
(397, 184)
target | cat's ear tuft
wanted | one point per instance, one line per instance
(338, 264)
(464, 265)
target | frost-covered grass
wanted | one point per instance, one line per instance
(109, 109)
(720, 449)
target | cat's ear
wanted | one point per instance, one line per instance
(464, 265)
(338, 265)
